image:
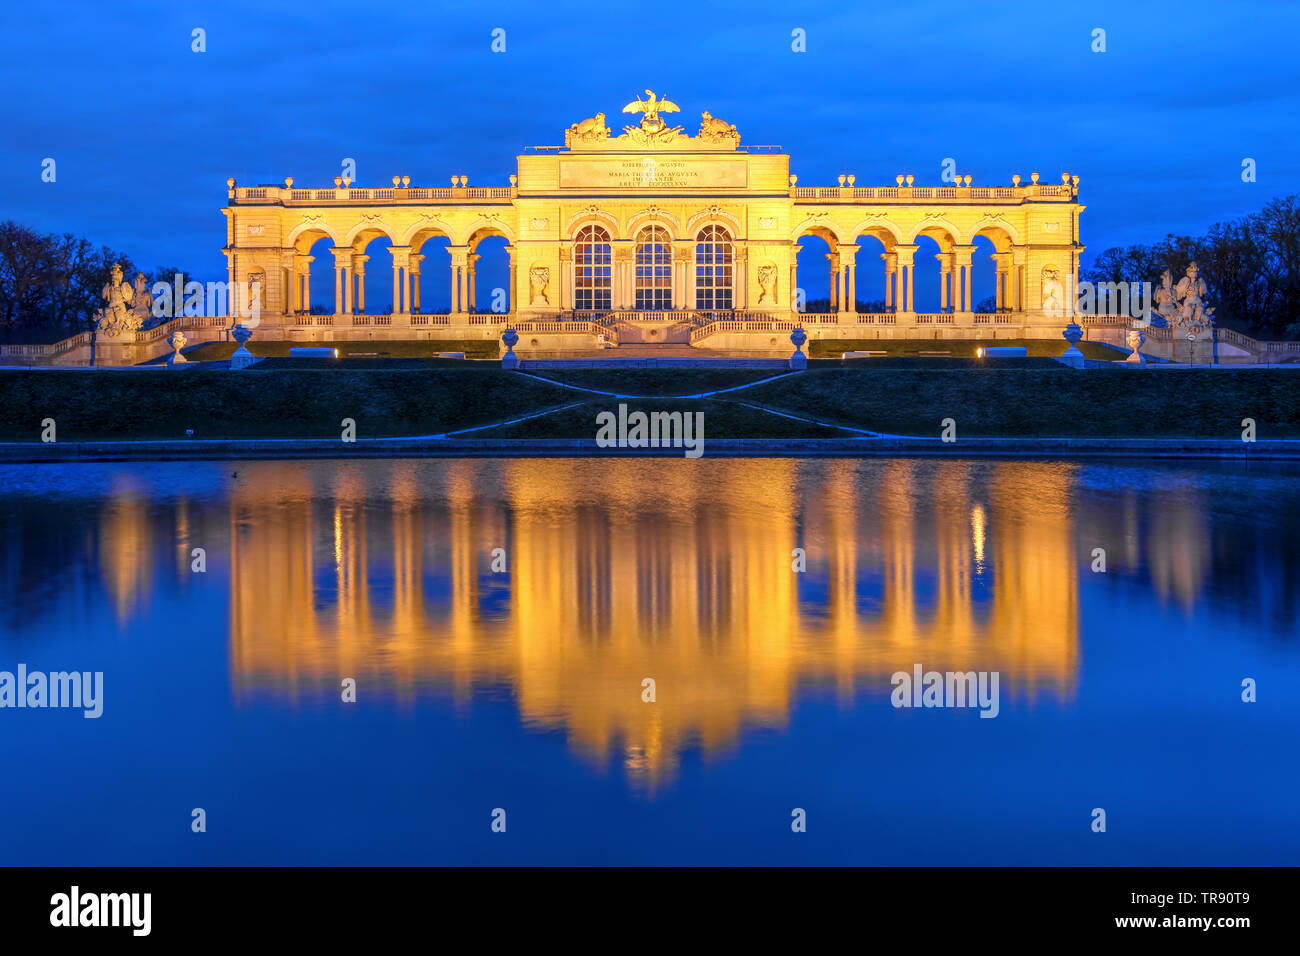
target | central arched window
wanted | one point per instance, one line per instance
(592, 270)
(713, 269)
(654, 269)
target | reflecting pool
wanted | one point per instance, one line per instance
(506, 621)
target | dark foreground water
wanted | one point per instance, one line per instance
(522, 690)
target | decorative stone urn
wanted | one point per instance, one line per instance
(1072, 356)
(1135, 342)
(177, 341)
(798, 360)
(509, 338)
(242, 357)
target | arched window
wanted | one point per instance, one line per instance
(592, 272)
(713, 269)
(654, 269)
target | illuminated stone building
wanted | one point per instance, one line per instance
(654, 235)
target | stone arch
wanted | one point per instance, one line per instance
(821, 227)
(653, 215)
(307, 234)
(424, 229)
(480, 232)
(715, 216)
(1001, 233)
(936, 227)
(593, 215)
(994, 272)
(367, 230)
(881, 227)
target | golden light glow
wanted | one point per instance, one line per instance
(678, 570)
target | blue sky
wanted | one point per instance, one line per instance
(145, 131)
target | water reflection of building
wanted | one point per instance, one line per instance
(675, 570)
(125, 548)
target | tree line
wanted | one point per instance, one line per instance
(1251, 266)
(52, 285)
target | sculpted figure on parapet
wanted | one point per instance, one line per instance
(714, 130)
(128, 305)
(1166, 307)
(592, 128)
(1193, 316)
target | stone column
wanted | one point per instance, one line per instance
(739, 276)
(891, 278)
(300, 299)
(945, 270)
(401, 265)
(690, 279)
(684, 274)
(834, 261)
(961, 264)
(342, 294)
(513, 289)
(232, 299)
(906, 263)
(566, 300)
(459, 263)
(794, 275)
(847, 254)
(359, 267)
(288, 280)
(623, 296)
(1001, 289)
(413, 282)
(306, 284)
(471, 285)
(1018, 278)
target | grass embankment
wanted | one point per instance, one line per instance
(103, 404)
(722, 419)
(473, 349)
(1056, 403)
(265, 402)
(958, 348)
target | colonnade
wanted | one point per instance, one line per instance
(955, 272)
(955, 267)
(350, 276)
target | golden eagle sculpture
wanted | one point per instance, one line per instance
(650, 108)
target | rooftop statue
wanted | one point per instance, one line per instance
(587, 130)
(652, 129)
(715, 130)
(592, 134)
(649, 109)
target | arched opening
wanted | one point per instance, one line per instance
(931, 248)
(992, 276)
(654, 270)
(714, 270)
(871, 273)
(593, 271)
(372, 292)
(814, 271)
(489, 274)
(316, 281)
(430, 274)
